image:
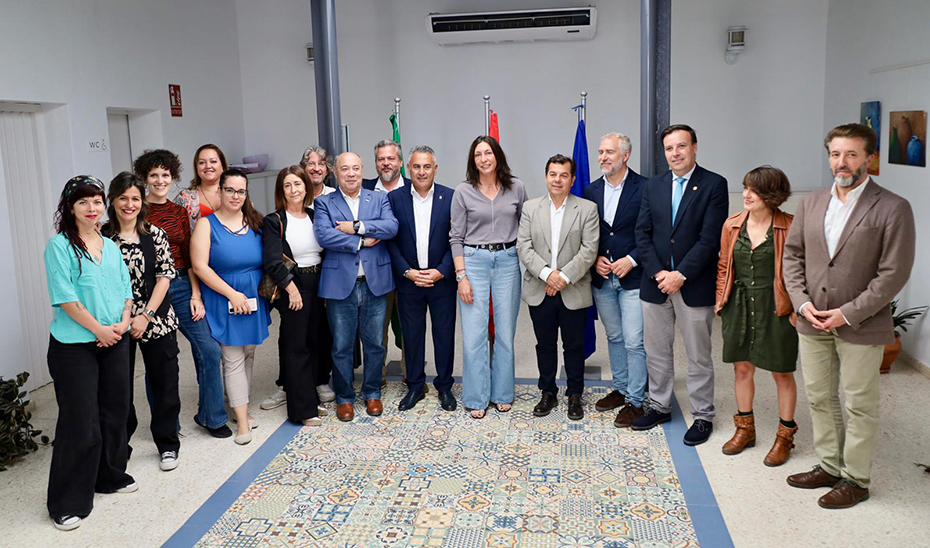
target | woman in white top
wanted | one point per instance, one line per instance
(289, 231)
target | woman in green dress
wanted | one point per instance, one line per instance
(758, 318)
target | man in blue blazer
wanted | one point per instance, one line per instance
(617, 275)
(678, 239)
(422, 260)
(350, 225)
(388, 160)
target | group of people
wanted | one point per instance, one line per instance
(337, 262)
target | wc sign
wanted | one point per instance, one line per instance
(174, 98)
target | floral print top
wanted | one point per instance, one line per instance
(189, 199)
(159, 326)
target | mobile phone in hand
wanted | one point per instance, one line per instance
(253, 305)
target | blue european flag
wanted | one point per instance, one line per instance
(583, 179)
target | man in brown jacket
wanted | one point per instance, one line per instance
(849, 252)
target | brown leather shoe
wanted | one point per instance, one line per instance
(345, 412)
(610, 401)
(627, 414)
(817, 477)
(845, 494)
(374, 407)
(745, 435)
(784, 443)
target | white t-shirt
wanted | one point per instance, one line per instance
(299, 235)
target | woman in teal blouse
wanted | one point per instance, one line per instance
(88, 356)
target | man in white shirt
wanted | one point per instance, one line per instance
(849, 252)
(388, 161)
(557, 244)
(616, 277)
(422, 260)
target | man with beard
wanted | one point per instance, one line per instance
(617, 275)
(317, 163)
(849, 252)
(388, 160)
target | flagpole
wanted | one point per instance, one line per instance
(487, 114)
(397, 113)
(584, 104)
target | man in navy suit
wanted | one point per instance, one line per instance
(617, 275)
(422, 260)
(388, 160)
(350, 225)
(678, 239)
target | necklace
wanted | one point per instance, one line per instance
(207, 198)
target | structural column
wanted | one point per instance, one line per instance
(655, 82)
(326, 72)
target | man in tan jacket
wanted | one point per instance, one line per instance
(557, 244)
(849, 252)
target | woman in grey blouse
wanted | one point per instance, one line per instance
(486, 211)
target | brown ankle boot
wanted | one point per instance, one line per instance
(784, 443)
(744, 437)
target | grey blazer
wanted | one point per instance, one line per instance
(578, 240)
(872, 262)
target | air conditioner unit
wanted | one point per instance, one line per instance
(513, 26)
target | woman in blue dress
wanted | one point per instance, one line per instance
(226, 251)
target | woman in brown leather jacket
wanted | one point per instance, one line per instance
(758, 318)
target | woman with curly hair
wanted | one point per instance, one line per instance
(160, 169)
(88, 356)
(758, 318)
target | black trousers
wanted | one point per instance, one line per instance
(412, 311)
(323, 347)
(299, 345)
(160, 359)
(90, 453)
(548, 318)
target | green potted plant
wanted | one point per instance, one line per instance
(16, 434)
(901, 321)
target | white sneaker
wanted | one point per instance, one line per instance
(277, 399)
(243, 439)
(67, 523)
(131, 488)
(169, 461)
(325, 393)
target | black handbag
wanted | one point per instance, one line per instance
(266, 287)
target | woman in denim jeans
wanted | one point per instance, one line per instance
(160, 169)
(486, 213)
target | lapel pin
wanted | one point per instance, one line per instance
(694, 188)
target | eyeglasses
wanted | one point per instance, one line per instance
(233, 192)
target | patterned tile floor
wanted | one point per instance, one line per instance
(428, 477)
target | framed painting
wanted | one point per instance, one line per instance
(907, 144)
(870, 114)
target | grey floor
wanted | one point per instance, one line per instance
(760, 510)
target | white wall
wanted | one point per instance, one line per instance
(385, 52)
(278, 90)
(862, 36)
(765, 109)
(89, 55)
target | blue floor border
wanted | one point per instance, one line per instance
(706, 518)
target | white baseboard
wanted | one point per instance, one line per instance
(921, 367)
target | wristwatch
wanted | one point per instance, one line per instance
(356, 225)
(149, 313)
(459, 276)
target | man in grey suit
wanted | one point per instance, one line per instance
(849, 252)
(557, 244)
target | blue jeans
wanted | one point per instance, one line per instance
(497, 274)
(361, 312)
(622, 314)
(211, 411)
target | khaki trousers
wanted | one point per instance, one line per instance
(237, 370)
(829, 362)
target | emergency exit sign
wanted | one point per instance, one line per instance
(174, 99)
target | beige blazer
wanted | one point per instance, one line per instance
(578, 240)
(872, 262)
